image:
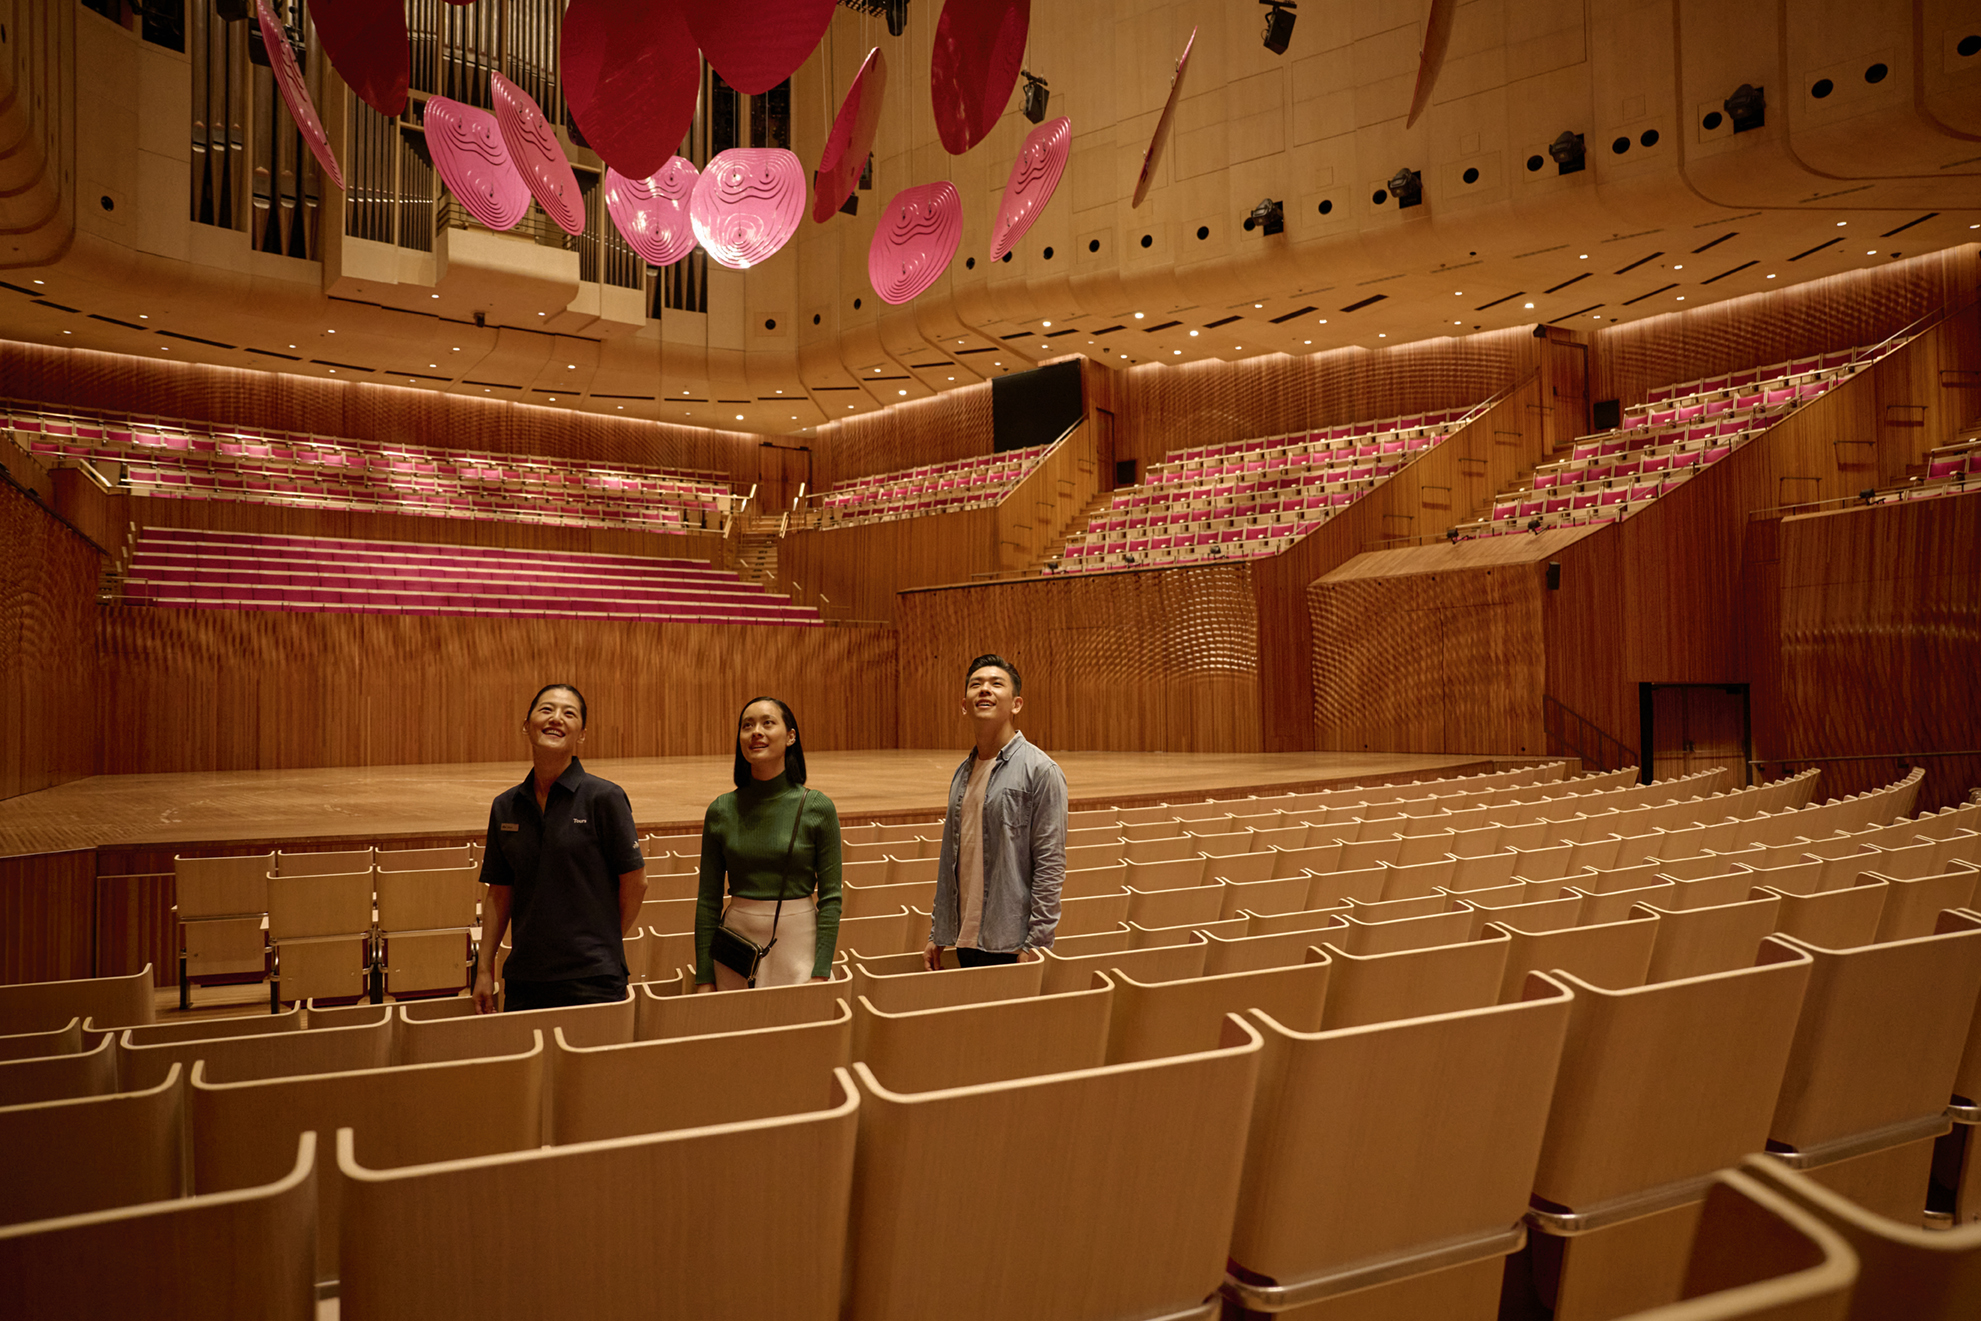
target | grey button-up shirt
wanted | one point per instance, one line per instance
(1024, 851)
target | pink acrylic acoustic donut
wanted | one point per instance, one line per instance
(758, 45)
(653, 212)
(473, 161)
(1034, 174)
(630, 75)
(851, 139)
(366, 40)
(1153, 156)
(917, 236)
(979, 46)
(295, 93)
(533, 147)
(747, 204)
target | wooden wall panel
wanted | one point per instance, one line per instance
(1155, 661)
(219, 690)
(245, 516)
(1429, 662)
(1880, 635)
(48, 662)
(1839, 311)
(135, 925)
(1663, 597)
(47, 916)
(953, 425)
(1161, 408)
(120, 383)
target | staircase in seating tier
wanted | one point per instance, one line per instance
(1075, 527)
(191, 569)
(756, 550)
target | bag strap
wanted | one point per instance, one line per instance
(786, 872)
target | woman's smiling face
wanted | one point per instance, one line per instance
(762, 735)
(556, 723)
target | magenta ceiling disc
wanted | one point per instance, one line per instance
(917, 236)
(747, 204)
(851, 139)
(979, 45)
(295, 94)
(653, 212)
(1153, 156)
(758, 45)
(366, 40)
(473, 161)
(533, 147)
(1034, 174)
(630, 75)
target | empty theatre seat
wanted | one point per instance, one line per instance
(402, 1116)
(60, 1077)
(48, 1006)
(408, 1251)
(903, 992)
(1156, 1019)
(967, 1045)
(1364, 1174)
(1123, 1234)
(637, 1087)
(249, 1254)
(363, 1045)
(466, 1036)
(71, 1157)
(665, 1011)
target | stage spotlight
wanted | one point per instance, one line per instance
(1407, 186)
(1269, 216)
(1279, 25)
(1036, 97)
(1567, 152)
(1747, 107)
(897, 17)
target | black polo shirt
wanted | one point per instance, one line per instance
(563, 866)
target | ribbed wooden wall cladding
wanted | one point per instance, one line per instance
(222, 690)
(1429, 662)
(1880, 635)
(1136, 662)
(953, 425)
(1838, 311)
(1204, 403)
(48, 611)
(50, 929)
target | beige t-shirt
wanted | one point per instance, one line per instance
(970, 855)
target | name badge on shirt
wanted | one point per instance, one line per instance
(511, 825)
(580, 820)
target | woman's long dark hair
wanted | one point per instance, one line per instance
(794, 756)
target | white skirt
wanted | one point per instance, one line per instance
(790, 959)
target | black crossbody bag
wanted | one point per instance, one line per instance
(740, 954)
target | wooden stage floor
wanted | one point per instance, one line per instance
(414, 802)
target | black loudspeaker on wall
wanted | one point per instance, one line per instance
(1606, 414)
(1124, 472)
(1554, 575)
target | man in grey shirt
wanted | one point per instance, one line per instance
(1004, 841)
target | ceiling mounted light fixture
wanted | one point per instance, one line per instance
(1036, 96)
(1269, 216)
(1279, 25)
(1407, 186)
(1566, 152)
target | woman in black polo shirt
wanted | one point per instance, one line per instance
(563, 870)
(770, 839)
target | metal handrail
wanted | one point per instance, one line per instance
(1558, 734)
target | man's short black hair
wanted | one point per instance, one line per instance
(1017, 681)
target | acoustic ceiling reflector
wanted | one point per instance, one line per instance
(758, 45)
(1160, 138)
(747, 205)
(653, 212)
(538, 158)
(1035, 173)
(467, 149)
(979, 46)
(366, 40)
(295, 94)
(630, 75)
(1437, 36)
(851, 139)
(916, 237)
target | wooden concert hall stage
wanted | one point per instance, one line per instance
(407, 803)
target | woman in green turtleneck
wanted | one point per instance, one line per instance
(744, 839)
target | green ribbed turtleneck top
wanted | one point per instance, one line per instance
(743, 840)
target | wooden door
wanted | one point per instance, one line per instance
(1697, 726)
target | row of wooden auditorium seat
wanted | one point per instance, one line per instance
(1396, 1154)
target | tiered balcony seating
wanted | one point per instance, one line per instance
(196, 461)
(201, 570)
(942, 488)
(1662, 443)
(1950, 470)
(1249, 498)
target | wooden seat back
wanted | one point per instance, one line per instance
(1696, 941)
(408, 1251)
(60, 1077)
(242, 1058)
(663, 1015)
(94, 1153)
(1412, 983)
(427, 899)
(903, 992)
(1124, 1234)
(1612, 955)
(48, 1006)
(341, 862)
(967, 1045)
(1158, 1019)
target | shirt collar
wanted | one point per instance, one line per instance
(569, 779)
(1003, 753)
